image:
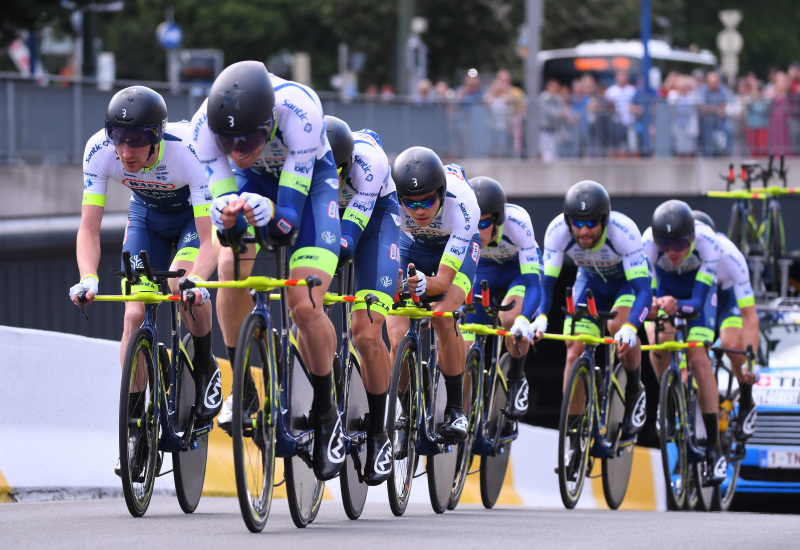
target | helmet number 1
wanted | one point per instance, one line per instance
(230, 121)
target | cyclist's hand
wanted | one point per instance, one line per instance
(88, 286)
(223, 213)
(625, 339)
(521, 329)
(201, 295)
(417, 283)
(258, 209)
(669, 304)
(539, 326)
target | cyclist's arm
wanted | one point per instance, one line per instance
(88, 243)
(442, 281)
(555, 241)
(529, 265)
(637, 272)
(708, 250)
(750, 332)
(206, 261)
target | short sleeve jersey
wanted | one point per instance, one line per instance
(516, 242)
(454, 225)
(369, 181)
(174, 184)
(700, 264)
(732, 272)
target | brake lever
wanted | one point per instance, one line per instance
(311, 282)
(370, 299)
(82, 300)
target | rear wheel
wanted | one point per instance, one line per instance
(441, 467)
(251, 423)
(303, 489)
(403, 398)
(575, 432)
(493, 467)
(473, 375)
(776, 243)
(190, 465)
(616, 470)
(735, 231)
(354, 492)
(733, 449)
(671, 422)
(138, 423)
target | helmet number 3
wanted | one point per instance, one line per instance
(124, 113)
(230, 121)
(415, 182)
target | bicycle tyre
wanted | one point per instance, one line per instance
(473, 376)
(251, 426)
(735, 232)
(492, 471)
(575, 432)
(776, 247)
(403, 399)
(442, 466)
(189, 467)
(671, 422)
(354, 491)
(139, 372)
(724, 492)
(616, 470)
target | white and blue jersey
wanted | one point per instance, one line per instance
(510, 264)
(733, 281)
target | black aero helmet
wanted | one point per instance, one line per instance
(701, 216)
(139, 108)
(673, 220)
(241, 107)
(417, 172)
(341, 139)
(587, 200)
(491, 198)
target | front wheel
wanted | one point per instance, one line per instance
(733, 449)
(190, 465)
(354, 492)
(138, 423)
(403, 399)
(671, 429)
(493, 467)
(252, 422)
(575, 432)
(473, 376)
(616, 470)
(441, 467)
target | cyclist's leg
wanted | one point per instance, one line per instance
(584, 326)
(518, 350)
(396, 325)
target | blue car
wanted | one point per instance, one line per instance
(772, 461)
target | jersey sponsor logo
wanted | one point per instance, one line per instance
(301, 114)
(333, 182)
(363, 206)
(208, 172)
(455, 170)
(208, 197)
(396, 219)
(466, 215)
(307, 128)
(302, 167)
(284, 226)
(343, 242)
(687, 309)
(190, 237)
(458, 250)
(304, 151)
(393, 251)
(97, 147)
(147, 185)
(200, 122)
(363, 164)
(328, 237)
(310, 257)
(87, 184)
(476, 251)
(643, 315)
(333, 210)
(386, 281)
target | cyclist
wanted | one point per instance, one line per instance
(262, 141)
(169, 207)
(441, 240)
(510, 263)
(370, 231)
(607, 248)
(684, 255)
(737, 320)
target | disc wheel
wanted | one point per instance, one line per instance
(575, 432)
(441, 467)
(252, 426)
(402, 410)
(493, 467)
(138, 423)
(189, 467)
(671, 422)
(354, 492)
(616, 470)
(473, 376)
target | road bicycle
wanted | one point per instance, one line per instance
(590, 423)
(272, 396)
(683, 452)
(157, 396)
(485, 396)
(416, 406)
(759, 235)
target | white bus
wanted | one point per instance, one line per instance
(603, 58)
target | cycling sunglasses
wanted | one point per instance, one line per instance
(590, 224)
(242, 144)
(483, 224)
(678, 244)
(423, 203)
(142, 136)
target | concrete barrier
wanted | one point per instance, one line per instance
(58, 436)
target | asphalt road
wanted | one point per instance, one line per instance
(217, 524)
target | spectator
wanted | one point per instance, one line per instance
(551, 113)
(757, 120)
(714, 128)
(387, 93)
(778, 130)
(468, 119)
(623, 133)
(497, 101)
(685, 122)
(736, 112)
(371, 93)
(596, 122)
(470, 90)
(423, 92)
(793, 97)
(443, 92)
